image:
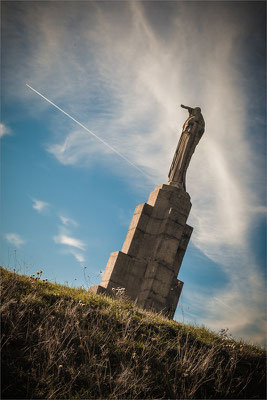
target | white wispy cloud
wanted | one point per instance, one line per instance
(40, 205)
(67, 221)
(124, 79)
(4, 130)
(72, 245)
(78, 256)
(14, 239)
(63, 238)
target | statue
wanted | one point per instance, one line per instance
(192, 132)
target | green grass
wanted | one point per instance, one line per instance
(59, 342)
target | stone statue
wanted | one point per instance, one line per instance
(147, 266)
(193, 130)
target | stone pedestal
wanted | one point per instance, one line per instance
(150, 259)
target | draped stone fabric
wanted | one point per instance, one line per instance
(192, 132)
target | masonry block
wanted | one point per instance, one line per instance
(116, 269)
(98, 289)
(166, 249)
(172, 229)
(152, 253)
(164, 274)
(154, 225)
(141, 216)
(146, 249)
(133, 241)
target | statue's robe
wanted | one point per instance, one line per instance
(193, 129)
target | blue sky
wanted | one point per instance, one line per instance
(122, 69)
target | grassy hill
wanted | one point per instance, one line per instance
(59, 342)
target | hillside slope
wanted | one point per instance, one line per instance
(59, 342)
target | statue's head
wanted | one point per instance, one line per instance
(196, 111)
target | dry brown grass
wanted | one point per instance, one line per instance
(59, 342)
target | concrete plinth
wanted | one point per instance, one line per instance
(151, 256)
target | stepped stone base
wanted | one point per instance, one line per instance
(150, 259)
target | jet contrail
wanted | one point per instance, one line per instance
(88, 130)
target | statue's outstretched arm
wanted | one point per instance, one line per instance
(190, 109)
